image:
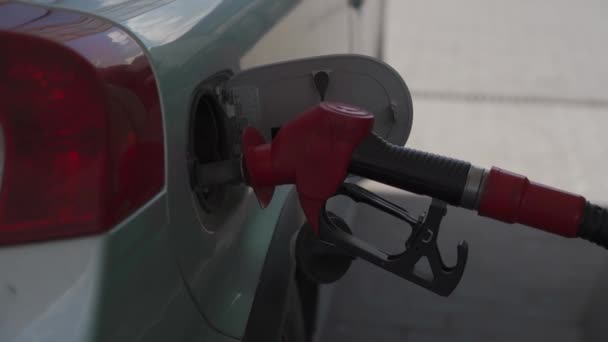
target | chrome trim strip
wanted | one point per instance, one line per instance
(473, 187)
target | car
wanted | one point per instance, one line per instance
(107, 110)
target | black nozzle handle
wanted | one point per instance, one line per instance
(594, 225)
(415, 171)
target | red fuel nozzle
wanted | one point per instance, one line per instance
(315, 152)
(317, 149)
(312, 151)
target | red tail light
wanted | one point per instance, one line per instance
(83, 139)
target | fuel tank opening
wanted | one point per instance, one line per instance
(209, 142)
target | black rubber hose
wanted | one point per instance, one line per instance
(594, 226)
(411, 170)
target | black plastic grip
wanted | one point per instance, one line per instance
(594, 226)
(411, 170)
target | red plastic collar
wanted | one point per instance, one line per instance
(312, 151)
(512, 198)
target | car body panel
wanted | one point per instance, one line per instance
(206, 38)
(161, 274)
(122, 286)
(61, 289)
(36, 296)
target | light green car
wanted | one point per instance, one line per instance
(106, 109)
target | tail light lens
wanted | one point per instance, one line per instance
(83, 143)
